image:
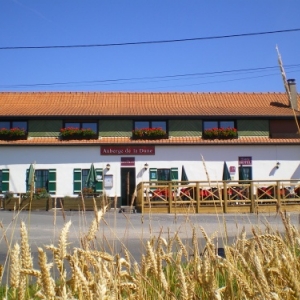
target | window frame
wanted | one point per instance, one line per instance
(41, 174)
(173, 174)
(150, 124)
(11, 124)
(98, 184)
(80, 124)
(219, 124)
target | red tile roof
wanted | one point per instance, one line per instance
(52, 104)
(45, 141)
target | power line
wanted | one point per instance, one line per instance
(160, 78)
(150, 42)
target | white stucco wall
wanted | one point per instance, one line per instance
(64, 159)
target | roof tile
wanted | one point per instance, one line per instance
(144, 104)
(171, 141)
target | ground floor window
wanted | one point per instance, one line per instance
(163, 174)
(82, 179)
(43, 179)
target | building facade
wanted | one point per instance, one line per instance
(265, 143)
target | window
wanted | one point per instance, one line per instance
(218, 124)
(163, 174)
(43, 179)
(80, 177)
(83, 125)
(4, 180)
(13, 124)
(150, 124)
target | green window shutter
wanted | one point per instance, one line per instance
(174, 174)
(153, 174)
(5, 180)
(99, 180)
(52, 181)
(77, 181)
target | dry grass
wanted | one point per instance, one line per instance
(263, 266)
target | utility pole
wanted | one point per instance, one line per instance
(286, 86)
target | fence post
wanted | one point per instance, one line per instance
(142, 197)
(170, 198)
(224, 196)
(278, 195)
(252, 206)
(197, 197)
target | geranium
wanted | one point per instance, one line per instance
(149, 133)
(220, 133)
(75, 133)
(12, 134)
(87, 191)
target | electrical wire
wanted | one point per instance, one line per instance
(154, 78)
(150, 42)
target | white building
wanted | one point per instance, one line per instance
(267, 143)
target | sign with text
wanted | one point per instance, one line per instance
(245, 160)
(127, 150)
(127, 161)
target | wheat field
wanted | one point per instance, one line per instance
(264, 265)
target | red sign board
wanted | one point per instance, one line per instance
(127, 150)
(245, 160)
(232, 169)
(127, 161)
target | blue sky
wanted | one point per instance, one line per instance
(148, 67)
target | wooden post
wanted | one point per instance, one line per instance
(142, 197)
(278, 206)
(225, 196)
(170, 198)
(197, 197)
(252, 206)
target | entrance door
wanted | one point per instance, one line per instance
(245, 173)
(127, 185)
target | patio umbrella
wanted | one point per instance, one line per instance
(226, 174)
(91, 178)
(183, 174)
(30, 178)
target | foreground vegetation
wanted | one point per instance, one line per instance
(263, 266)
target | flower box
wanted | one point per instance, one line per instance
(220, 133)
(84, 203)
(36, 204)
(149, 134)
(13, 134)
(11, 203)
(74, 133)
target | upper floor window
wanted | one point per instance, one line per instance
(150, 130)
(150, 124)
(13, 124)
(83, 125)
(218, 124)
(219, 130)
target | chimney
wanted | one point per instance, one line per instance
(293, 92)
